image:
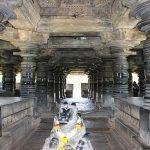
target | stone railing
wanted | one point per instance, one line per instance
(12, 113)
(16, 121)
(128, 112)
(132, 121)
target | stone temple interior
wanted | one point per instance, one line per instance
(45, 40)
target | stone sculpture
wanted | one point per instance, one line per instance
(68, 131)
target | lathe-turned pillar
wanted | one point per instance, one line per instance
(41, 83)
(93, 85)
(50, 85)
(142, 11)
(90, 81)
(28, 66)
(57, 86)
(130, 87)
(64, 86)
(99, 86)
(141, 75)
(107, 75)
(107, 78)
(61, 88)
(95, 80)
(8, 81)
(120, 72)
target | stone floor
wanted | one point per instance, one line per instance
(102, 138)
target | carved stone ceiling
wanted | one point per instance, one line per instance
(76, 8)
(32, 22)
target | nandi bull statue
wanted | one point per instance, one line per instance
(68, 131)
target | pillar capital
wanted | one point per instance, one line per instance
(141, 11)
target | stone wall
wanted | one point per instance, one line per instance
(17, 122)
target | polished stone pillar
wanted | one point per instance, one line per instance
(141, 75)
(147, 71)
(107, 75)
(95, 82)
(8, 81)
(41, 83)
(90, 85)
(142, 11)
(130, 83)
(50, 86)
(28, 66)
(107, 78)
(61, 86)
(120, 72)
(57, 87)
(51, 90)
(99, 86)
(64, 86)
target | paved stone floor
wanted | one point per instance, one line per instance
(101, 137)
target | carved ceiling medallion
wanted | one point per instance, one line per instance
(76, 8)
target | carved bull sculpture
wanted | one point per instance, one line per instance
(68, 131)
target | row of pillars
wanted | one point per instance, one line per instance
(50, 84)
(113, 77)
(119, 67)
(38, 80)
(43, 82)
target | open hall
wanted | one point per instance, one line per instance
(62, 60)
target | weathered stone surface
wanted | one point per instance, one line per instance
(17, 123)
(76, 35)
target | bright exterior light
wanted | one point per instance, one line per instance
(18, 77)
(135, 77)
(76, 80)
